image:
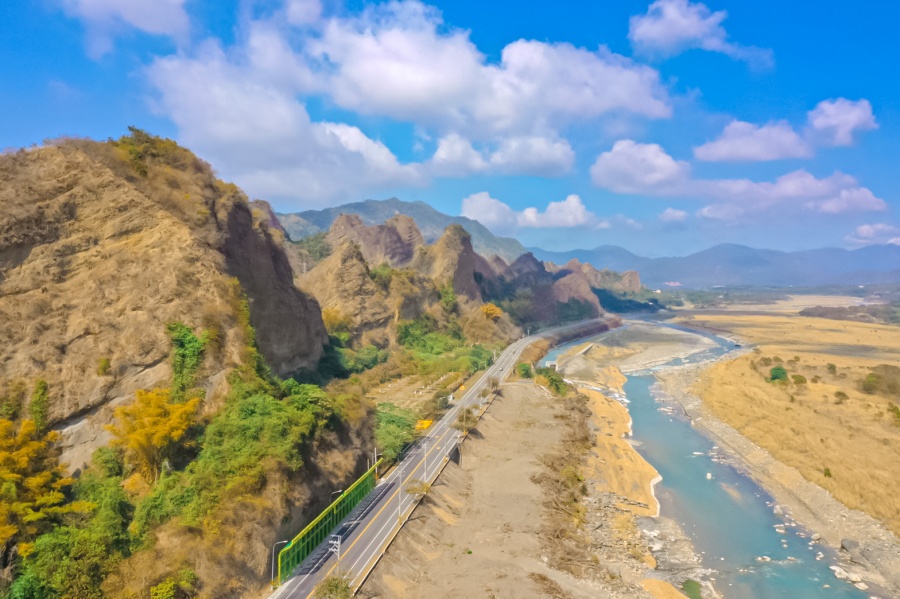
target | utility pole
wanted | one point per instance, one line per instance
(400, 494)
(334, 545)
(425, 449)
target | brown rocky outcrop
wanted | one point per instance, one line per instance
(393, 243)
(343, 283)
(451, 260)
(619, 282)
(101, 249)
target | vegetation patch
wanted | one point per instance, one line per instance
(395, 429)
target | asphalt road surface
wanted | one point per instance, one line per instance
(366, 533)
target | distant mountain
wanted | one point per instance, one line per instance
(731, 265)
(431, 224)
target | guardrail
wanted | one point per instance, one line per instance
(316, 531)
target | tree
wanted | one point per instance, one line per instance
(491, 311)
(524, 370)
(31, 485)
(334, 587)
(149, 430)
(466, 421)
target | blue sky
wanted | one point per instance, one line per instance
(664, 127)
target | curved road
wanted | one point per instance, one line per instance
(366, 533)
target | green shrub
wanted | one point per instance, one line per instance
(13, 400)
(316, 246)
(381, 275)
(524, 370)
(798, 379)
(395, 429)
(38, 407)
(448, 299)
(778, 373)
(103, 366)
(841, 397)
(554, 381)
(187, 355)
(426, 336)
(832, 369)
(827, 472)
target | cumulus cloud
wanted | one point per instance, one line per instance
(263, 137)
(303, 12)
(104, 18)
(455, 156)
(533, 155)
(831, 122)
(397, 60)
(672, 26)
(501, 218)
(835, 121)
(646, 169)
(673, 215)
(741, 141)
(632, 167)
(875, 233)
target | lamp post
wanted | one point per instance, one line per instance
(375, 457)
(273, 557)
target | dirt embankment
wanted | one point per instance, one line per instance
(491, 525)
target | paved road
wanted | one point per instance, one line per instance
(369, 529)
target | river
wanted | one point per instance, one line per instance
(755, 553)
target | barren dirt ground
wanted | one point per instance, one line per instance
(477, 533)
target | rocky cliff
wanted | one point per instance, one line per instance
(102, 245)
(393, 243)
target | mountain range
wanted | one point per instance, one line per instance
(736, 265)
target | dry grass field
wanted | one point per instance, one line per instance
(820, 421)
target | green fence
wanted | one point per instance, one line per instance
(316, 531)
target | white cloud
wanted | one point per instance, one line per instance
(490, 212)
(455, 156)
(875, 233)
(632, 167)
(303, 12)
(104, 18)
(397, 60)
(570, 212)
(831, 122)
(672, 26)
(741, 141)
(501, 218)
(835, 121)
(262, 137)
(673, 215)
(646, 169)
(533, 155)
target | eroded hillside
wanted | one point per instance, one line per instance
(102, 245)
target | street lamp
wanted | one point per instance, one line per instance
(273, 556)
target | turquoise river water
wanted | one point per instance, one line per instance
(728, 517)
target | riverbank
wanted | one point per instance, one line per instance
(783, 435)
